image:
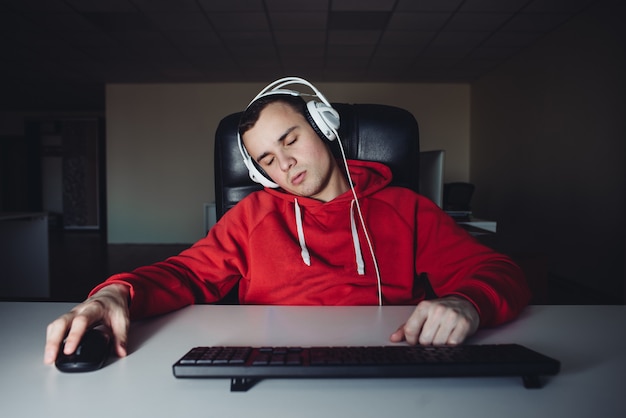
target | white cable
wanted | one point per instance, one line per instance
(358, 209)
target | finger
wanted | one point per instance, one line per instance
(459, 333)
(398, 335)
(119, 327)
(428, 332)
(77, 330)
(86, 315)
(414, 326)
(55, 332)
(432, 324)
(453, 328)
(446, 326)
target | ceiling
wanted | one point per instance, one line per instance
(58, 54)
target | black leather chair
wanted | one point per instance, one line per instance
(371, 132)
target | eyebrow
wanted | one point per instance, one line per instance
(280, 139)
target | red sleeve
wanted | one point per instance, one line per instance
(457, 264)
(203, 273)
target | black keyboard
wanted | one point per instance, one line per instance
(247, 365)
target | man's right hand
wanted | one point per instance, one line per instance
(108, 307)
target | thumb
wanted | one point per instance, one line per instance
(398, 335)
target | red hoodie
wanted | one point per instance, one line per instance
(290, 250)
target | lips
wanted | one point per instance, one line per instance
(298, 178)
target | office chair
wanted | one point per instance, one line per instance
(371, 132)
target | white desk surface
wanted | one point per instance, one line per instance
(590, 342)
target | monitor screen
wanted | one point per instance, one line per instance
(431, 175)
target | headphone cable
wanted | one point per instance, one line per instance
(362, 220)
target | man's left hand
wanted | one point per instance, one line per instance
(445, 321)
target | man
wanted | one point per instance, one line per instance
(301, 243)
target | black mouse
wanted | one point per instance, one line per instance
(91, 353)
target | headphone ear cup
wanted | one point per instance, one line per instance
(255, 172)
(323, 118)
(259, 177)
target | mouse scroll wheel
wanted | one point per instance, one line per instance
(79, 349)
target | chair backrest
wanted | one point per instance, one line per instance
(370, 132)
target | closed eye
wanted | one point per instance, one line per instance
(285, 139)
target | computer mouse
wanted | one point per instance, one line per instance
(91, 353)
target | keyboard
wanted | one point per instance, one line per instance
(245, 366)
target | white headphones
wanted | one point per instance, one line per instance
(320, 114)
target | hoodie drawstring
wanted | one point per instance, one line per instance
(304, 251)
(306, 257)
(360, 265)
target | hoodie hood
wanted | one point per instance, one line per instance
(368, 178)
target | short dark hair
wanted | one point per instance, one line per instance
(251, 115)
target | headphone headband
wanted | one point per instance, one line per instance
(277, 87)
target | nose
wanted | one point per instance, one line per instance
(285, 161)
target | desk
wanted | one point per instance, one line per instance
(590, 341)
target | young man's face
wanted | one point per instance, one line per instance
(284, 144)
